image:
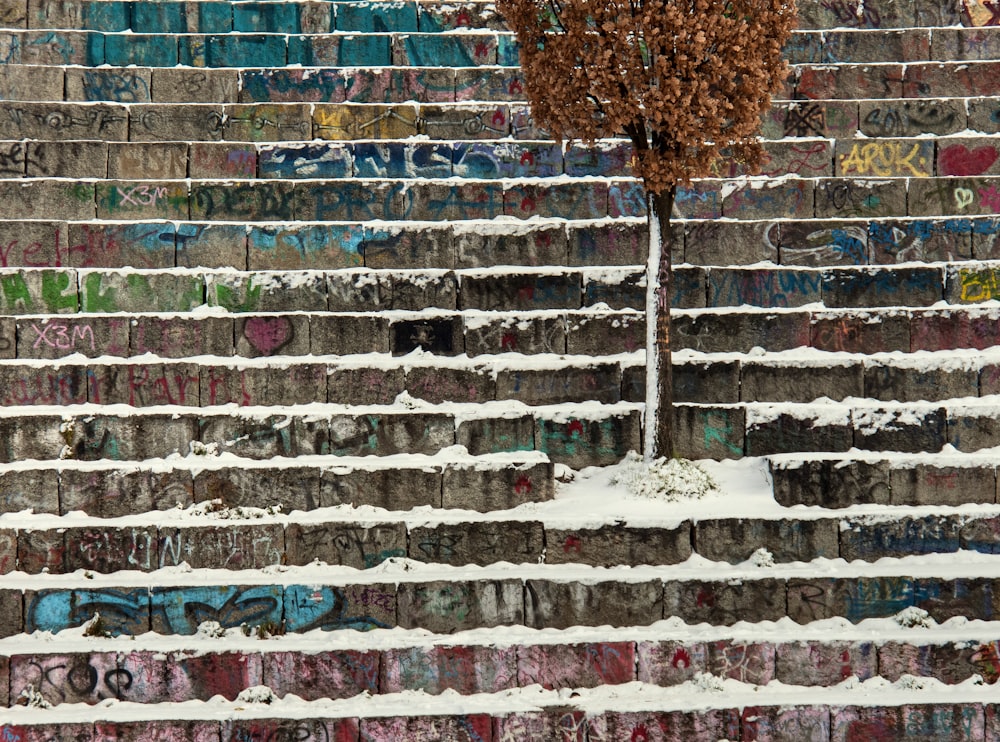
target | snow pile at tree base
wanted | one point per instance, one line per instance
(671, 480)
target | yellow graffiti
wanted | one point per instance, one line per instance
(980, 12)
(883, 159)
(979, 285)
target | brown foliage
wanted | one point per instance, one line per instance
(683, 79)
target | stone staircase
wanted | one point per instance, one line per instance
(301, 315)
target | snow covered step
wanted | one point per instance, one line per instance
(741, 712)
(814, 376)
(578, 434)
(948, 478)
(449, 599)
(468, 669)
(876, 330)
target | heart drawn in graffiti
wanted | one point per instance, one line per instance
(960, 160)
(268, 334)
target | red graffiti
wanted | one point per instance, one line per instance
(463, 19)
(575, 428)
(573, 542)
(523, 485)
(705, 598)
(947, 481)
(528, 204)
(268, 334)
(681, 659)
(499, 119)
(640, 734)
(960, 160)
(508, 341)
(515, 87)
(527, 158)
(482, 50)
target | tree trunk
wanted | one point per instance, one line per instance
(659, 428)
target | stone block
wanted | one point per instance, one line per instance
(586, 200)
(179, 337)
(355, 200)
(8, 554)
(911, 431)
(972, 285)
(135, 244)
(223, 160)
(724, 602)
(361, 546)
(694, 381)
(467, 122)
(304, 160)
(243, 202)
(137, 292)
(734, 540)
(521, 291)
(536, 246)
(228, 547)
(138, 200)
(358, 607)
(54, 338)
(831, 483)
(54, 122)
(882, 287)
(344, 121)
(802, 382)
(180, 610)
(447, 607)
(360, 290)
(848, 81)
(16, 15)
(141, 50)
(763, 287)
(947, 329)
(920, 241)
(266, 292)
(600, 383)
(461, 728)
(960, 196)
(391, 489)
(841, 198)
(23, 489)
(267, 122)
(616, 244)
(430, 201)
(110, 550)
(507, 159)
(155, 160)
(926, 484)
(884, 158)
(968, 157)
(537, 335)
(264, 437)
(114, 493)
(700, 726)
(46, 199)
(364, 385)
(402, 247)
(627, 289)
(495, 435)
(159, 730)
(825, 663)
(487, 488)
(478, 542)
(278, 728)
(948, 663)
(709, 432)
(272, 335)
(555, 666)
(871, 541)
(27, 385)
(983, 115)
(329, 674)
(860, 332)
(821, 243)
(128, 85)
(305, 247)
(437, 385)
(346, 334)
(34, 437)
(144, 385)
(283, 85)
(778, 199)
(36, 292)
(123, 610)
(729, 332)
(604, 334)
(833, 119)
(561, 605)
(909, 117)
(159, 123)
(401, 85)
(284, 489)
(138, 437)
(579, 442)
(233, 50)
(948, 80)
(383, 435)
(67, 159)
(183, 85)
(41, 551)
(667, 663)
(614, 545)
(914, 384)
(441, 336)
(27, 670)
(945, 598)
(207, 675)
(466, 669)
(969, 431)
(553, 723)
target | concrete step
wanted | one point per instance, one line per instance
(540, 596)
(294, 667)
(765, 429)
(577, 434)
(845, 480)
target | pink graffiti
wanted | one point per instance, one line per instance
(990, 198)
(141, 195)
(58, 335)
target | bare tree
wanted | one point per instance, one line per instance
(686, 81)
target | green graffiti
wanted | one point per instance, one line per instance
(718, 433)
(15, 291)
(96, 300)
(228, 298)
(54, 292)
